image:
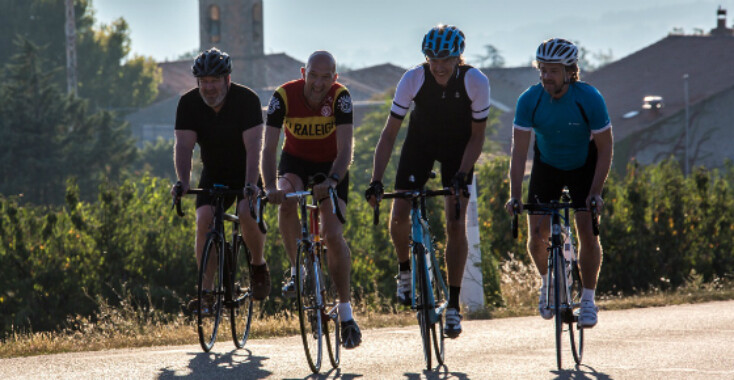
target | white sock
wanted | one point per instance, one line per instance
(588, 294)
(545, 280)
(345, 311)
(293, 271)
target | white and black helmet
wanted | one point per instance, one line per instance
(557, 50)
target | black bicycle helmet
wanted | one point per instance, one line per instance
(212, 63)
(443, 41)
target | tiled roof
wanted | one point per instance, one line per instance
(658, 70)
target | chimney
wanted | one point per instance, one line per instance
(721, 29)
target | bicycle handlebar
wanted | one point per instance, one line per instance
(332, 195)
(410, 194)
(222, 191)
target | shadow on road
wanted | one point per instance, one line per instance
(240, 364)
(580, 372)
(441, 372)
(334, 373)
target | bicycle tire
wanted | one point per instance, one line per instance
(330, 313)
(439, 297)
(241, 293)
(209, 316)
(424, 315)
(577, 346)
(557, 274)
(309, 312)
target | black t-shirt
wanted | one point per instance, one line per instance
(219, 135)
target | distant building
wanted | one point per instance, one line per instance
(235, 26)
(645, 97)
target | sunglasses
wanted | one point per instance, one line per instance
(437, 55)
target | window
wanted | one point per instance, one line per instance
(214, 24)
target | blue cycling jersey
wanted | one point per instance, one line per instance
(563, 127)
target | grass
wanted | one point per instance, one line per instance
(127, 326)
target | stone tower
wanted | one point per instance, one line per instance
(236, 27)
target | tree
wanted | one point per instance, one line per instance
(106, 73)
(47, 136)
(590, 61)
(492, 58)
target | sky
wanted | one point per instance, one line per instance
(371, 32)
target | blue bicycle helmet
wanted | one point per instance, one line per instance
(557, 50)
(443, 41)
(212, 63)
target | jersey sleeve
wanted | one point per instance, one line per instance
(252, 115)
(407, 89)
(184, 115)
(276, 109)
(477, 87)
(599, 119)
(524, 111)
(343, 110)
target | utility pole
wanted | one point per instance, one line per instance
(71, 80)
(685, 97)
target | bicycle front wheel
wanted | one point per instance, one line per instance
(330, 317)
(439, 298)
(309, 309)
(577, 344)
(209, 309)
(241, 283)
(558, 290)
(425, 306)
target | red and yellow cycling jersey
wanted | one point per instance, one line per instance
(310, 134)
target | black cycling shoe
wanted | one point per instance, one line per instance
(351, 336)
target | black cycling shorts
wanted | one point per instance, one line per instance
(418, 162)
(206, 182)
(306, 169)
(547, 182)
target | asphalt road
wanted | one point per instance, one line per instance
(674, 342)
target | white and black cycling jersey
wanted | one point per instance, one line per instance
(442, 115)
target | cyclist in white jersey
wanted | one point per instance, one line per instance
(573, 148)
(446, 125)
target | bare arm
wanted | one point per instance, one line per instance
(344, 149)
(604, 145)
(474, 146)
(270, 149)
(182, 154)
(519, 154)
(384, 147)
(253, 138)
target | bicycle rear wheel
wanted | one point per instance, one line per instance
(558, 289)
(577, 345)
(332, 331)
(309, 311)
(209, 310)
(424, 305)
(241, 281)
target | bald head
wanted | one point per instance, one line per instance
(320, 58)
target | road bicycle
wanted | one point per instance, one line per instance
(429, 292)
(225, 271)
(316, 294)
(563, 271)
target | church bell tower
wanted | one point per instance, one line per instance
(236, 27)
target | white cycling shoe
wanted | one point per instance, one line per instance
(588, 314)
(545, 311)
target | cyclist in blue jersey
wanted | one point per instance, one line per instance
(447, 125)
(573, 148)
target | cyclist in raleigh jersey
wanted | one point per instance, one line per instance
(317, 114)
(225, 119)
(573, 148)
(447, 125)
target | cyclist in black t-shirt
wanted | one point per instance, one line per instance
(447, 125)
(224, 118)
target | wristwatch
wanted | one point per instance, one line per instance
(335, 177)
